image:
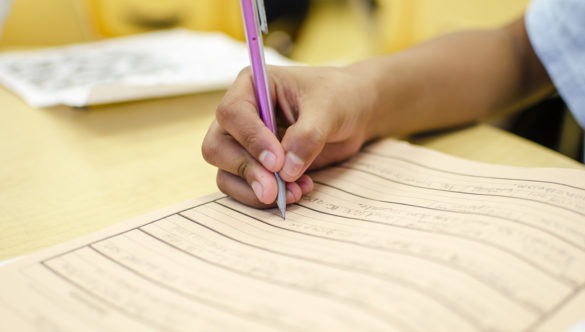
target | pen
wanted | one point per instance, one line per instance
(255, 24)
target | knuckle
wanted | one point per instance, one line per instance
(210, 148)
(209, 151)
(313, 137)
(225, 183)
(242, 169)
(245, 72)
(251, 139)
(224, 112)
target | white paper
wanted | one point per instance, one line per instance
(150, 65)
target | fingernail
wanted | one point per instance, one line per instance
(290, 197)
(293, 165)
(258, 190)
(268, 159)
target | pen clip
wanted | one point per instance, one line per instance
(262, 16)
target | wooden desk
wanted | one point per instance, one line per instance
(67, 172)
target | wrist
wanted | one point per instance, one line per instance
(376, 82)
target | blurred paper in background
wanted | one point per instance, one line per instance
(143, 66)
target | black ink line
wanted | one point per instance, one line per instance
(565, 281)
(461, 192)
(383, 277)
(188, 296)
(129, 230)
(359, 306)
(102, 300)
(542, 319)
(475, 276)
(465, 174)
(499, 218)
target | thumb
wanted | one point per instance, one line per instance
(303, 141)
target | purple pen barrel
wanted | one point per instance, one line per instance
(250, 13)
(255, 45)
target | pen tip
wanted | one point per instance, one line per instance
(281, 199)
(281, 206)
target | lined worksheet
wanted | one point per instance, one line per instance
(399, 238)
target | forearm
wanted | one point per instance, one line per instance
(452, 80)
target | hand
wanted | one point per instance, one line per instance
(323, 115)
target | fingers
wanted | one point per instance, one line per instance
(239, 189)
(240, 144)
(244, 178)
(304, 141)
(247, 153)
(306, 185)
(221, 150)
(238, 115)
(336, 152)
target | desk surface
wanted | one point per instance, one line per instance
(67, 172)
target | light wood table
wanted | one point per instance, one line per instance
(67, 172)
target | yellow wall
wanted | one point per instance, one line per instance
(46, 22)
(402, 23)
(56, 22)
(121, 17)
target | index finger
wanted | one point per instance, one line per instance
(238, 115)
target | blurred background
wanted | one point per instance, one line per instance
(309, 31)
(301, 29)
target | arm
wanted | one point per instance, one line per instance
(326, 114)
(455, 79)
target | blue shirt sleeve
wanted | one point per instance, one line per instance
(556, 29)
